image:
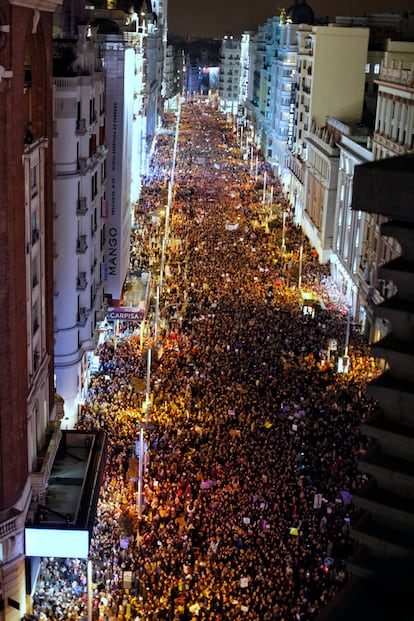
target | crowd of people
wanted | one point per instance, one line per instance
(251, 465)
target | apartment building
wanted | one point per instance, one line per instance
(330, 78)
(348, 263)
(133, 56)
(362, 234)
(394, 121)
(283, 97)
(30, 431)
(80, 209)
(230, 74)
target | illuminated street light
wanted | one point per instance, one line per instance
(264, 187)
(141, 448)
(300, 267)
(283, 249)
(348, 328)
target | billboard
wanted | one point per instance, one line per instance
(57, 542)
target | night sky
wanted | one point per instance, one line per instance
(213, 18)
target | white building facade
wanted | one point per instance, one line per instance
(330, 78)
(348, 266)
(230, 74)
(394, 121)
(80, 213)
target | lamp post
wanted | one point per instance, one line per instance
(347, 333)
(169, 201)
(142, 334)
(300, 267)
(140, 447)
(89, 587)
(162, 266)
(157, 307)
(140, 471)
(283, 249)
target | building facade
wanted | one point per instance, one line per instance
(348, 267)
(330, 78)
(28, 427)
(80, 210)
(230, 74)
(394, 121)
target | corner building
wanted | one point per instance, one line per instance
(28, 432)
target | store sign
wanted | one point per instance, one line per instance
(125, 313)
(343, 364)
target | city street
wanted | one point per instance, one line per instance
(252, 434)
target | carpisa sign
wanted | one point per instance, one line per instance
(125, 313)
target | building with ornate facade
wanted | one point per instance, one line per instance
(29, 430)
(80, 208)
(330, 77)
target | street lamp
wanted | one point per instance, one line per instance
(271, 199)
(141, 449)
(170, 193)
(157, 307)
(348, 328)
(300, 266)
(264, 187)
(343, 362)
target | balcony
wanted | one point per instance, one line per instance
(101, 150)
(81, 206)
(80, 127)
(45, 458)
(81, 244)
(81, 281)
(83, 165)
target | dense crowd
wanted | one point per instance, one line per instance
(254, 437)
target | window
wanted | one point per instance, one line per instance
(94, 185)
(35, 318)
(367, 68)
(35, 272)
(103, 171)
(377, 68)
(35, 228)
(36, 359)
(33, 180)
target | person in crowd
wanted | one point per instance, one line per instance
(254, 437)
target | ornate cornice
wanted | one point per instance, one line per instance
(42, 5)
